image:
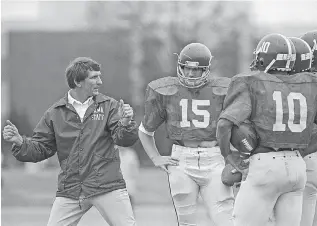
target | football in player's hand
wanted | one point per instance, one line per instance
(244, 138)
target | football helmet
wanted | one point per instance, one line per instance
(311, 38)
(274, 52)
(303, 55)
(194, 55)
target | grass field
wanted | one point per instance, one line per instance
(26, 200)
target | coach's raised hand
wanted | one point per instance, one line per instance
(126, 112)
(11, 134)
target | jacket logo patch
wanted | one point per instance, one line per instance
(98, 110)
(98, 114)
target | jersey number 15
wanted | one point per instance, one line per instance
(195, 104)
(279, 125)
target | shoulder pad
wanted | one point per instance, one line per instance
(220, 82)
(306, 77)
(219, 85)
(165, 86)
(247, 74)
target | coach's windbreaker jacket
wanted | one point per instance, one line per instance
(86, 151)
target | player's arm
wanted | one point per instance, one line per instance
(41, 146)
(154, 116)
(148, 142)
(236, 109)
(224, 127)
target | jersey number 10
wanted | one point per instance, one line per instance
(278, 125)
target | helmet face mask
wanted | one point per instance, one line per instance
(194, 56)
(303, 55)
(311, 38)
(274, 52)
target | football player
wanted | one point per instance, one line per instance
(189, 105)
(282, 108)
(309, 212)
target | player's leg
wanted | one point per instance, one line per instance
(67, 211)
(218, 198)
(253, 206)
(258, 193)
(288, 209)
(309, 205)
(310, 192)
(115, 207)
(184, 192)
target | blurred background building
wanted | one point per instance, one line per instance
(134, 41)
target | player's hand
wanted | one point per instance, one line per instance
(239, 164)
(164, 161)
(243, 172)
(126, 112)
(11, 134)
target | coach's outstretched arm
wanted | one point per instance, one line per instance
(37, 148)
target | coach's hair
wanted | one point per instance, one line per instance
(78, 70)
